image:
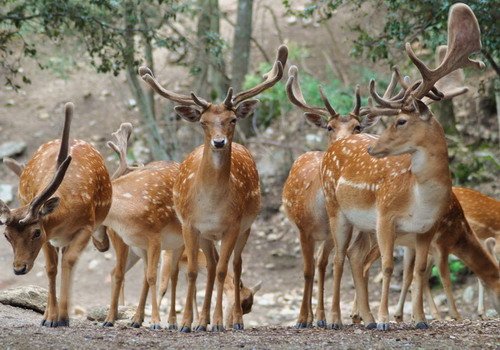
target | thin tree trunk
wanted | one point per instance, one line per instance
(241, 53)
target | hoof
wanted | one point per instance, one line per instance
(51, 324)
(218, 328)
(200, 328)
(321, 323)
(398, 318)
(383, 326)
(372, 325)
(135, 324)
(63, 323)
(108, 324)
(172, 327)
(335, 326)
(301, 325)
(238, 326)
(155, 327)
(422, 325)
(185, 329)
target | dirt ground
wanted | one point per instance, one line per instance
(272, 254)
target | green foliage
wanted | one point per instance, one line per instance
(457, 272)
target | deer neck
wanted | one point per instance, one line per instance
(215, 167)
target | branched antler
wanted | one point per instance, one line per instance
(121, 137)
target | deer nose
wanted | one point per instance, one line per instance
(21, 270)
(370, 148)
(219, 142)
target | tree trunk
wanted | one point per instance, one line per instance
(154, 140)
(241, 54)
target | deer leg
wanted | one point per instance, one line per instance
(166, 272)
(121, 252)
(154, 251)
(174, 275)
(70, 256)
(227, 247)
(307, 244)
(237, 267)
(357, 253)
(342, 232)
(385, 238)
(444, 272)
(480, 298)
(211, 258)
(422, 251)
(138, 317)
(408, 266)
(428, 293)
(325, 252)
(51, 311)
(191, 242)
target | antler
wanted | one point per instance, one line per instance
(464, 38)
(14, 165)
(295, 94)
(121, 137)
(271, 78)
(148, 76)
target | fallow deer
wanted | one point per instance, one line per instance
(217, 192)
(406, 193)
(60, 209)
(303, 198)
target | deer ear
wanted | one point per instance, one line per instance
(315, 119)
(4, 213)
(369, 122)
(49, 206)
(423, 111)
(188, 113)
(246, 108)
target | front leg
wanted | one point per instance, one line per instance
(154, 251)
(70, 256)
(211, 258)
(422, 251)
(174, 275)
(323, 256)
(138, 317)
(444, 272)
(408, 266)
(191, 244)
(307, 244)
(386, 237)
(51, 311)
(237, 266)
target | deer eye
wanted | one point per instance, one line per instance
(36, 233)
(233, 121)
(6, 237)
(357, 129)
(329, 128)
(400, 122)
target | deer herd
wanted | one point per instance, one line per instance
(361, 197)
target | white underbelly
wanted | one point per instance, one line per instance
(60, 242)
(171, 239)
(416, 223)
(363, 219)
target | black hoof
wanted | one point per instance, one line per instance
(108, 324)
(185, 329)
(335, 326)
(135, 324)
(200, 328)
(383, 326)
(422, 325)
(63, 323)
(238, 326)
(217, 328)
(301, 325)
(155, 327)
(321, 323)
(51, 324)
(172, 327)
(372, 325)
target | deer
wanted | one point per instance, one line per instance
(141, 223)
(65, 193)
(397, 185)
(303, 198)
(217, 191)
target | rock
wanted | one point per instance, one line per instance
(468, 294)
(79, 311)
(131, 103)
(272, 237)
(12, 148)
(6, 193)
(99, 313)
(43, 116)
(27, 297)
(10, 102)
(491, 313)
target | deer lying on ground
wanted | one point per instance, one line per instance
(60, 209)
(217, 192)
(142, 219)
(398, 185)
(303, 197)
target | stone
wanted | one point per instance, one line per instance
(43, 115)
(100, 313)
(12, 148)
(468, 294)
(10, 102)
(6, 194)
(79, 311)
(27, 297)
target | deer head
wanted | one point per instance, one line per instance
(338, 126)
(219, 120)
(414, 122)
(23, 227)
